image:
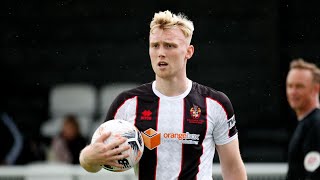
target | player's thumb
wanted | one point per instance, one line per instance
(103, 137)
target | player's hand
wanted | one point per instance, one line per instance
(98, 153)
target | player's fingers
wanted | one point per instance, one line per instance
(118, 157)
(116, 142)
(118, 150)
(103, 137)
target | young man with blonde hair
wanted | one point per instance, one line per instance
(201, 118)
(303, 86)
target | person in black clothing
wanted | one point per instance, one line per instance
(302, 88)
(66, 146)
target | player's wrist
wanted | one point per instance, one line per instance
(84, 163)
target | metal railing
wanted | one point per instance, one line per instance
(49, 171)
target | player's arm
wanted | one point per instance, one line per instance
(311, 150)
(94, 155)
(230, 160)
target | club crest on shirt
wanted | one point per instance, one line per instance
(195, 112)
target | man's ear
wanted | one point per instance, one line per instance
(190, 51)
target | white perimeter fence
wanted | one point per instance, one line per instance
(45, 171)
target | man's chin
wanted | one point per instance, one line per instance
(294, 106)
(163, 75)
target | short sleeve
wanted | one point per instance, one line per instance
(221, 114)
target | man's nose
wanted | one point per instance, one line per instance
(161, 52)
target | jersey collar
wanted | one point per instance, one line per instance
(181, 96)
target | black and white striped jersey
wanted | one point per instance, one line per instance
(180, 132)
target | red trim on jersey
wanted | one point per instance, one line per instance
(123, 104)
(135, 120)
(155, 169)
(183, 117)
(220, 105)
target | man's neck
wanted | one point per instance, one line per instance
(302, 114)
(172, 87)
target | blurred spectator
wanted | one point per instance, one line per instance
(11, 141)
(303, 86)
(66, 146)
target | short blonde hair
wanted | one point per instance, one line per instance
(167, 19)
(302, 64)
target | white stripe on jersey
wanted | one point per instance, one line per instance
(126, 110)
(169, 155)
(170, 119)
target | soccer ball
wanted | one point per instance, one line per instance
(123, 128)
